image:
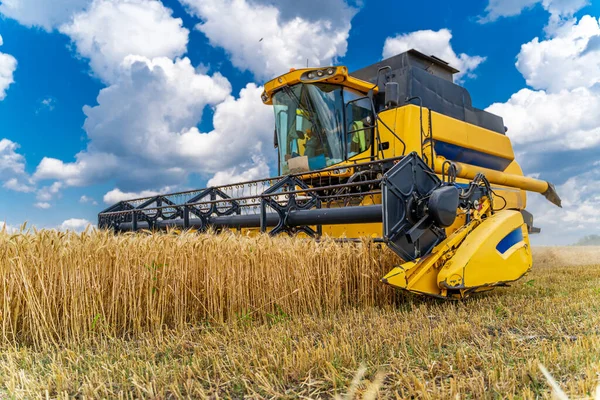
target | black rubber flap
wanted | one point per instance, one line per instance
(409, 182)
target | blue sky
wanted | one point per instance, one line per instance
(101, 99)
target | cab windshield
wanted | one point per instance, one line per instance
(311, 130)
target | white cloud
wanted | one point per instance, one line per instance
(564, 8)
(259, 39)
(243, 128)
(85, 200)
(42, 205)
(336, 11)
(556, 129)
(143, 133)
(88, 168)
(544, 121)
(47, 104)
(559, 10)
(503, 8)
(567, 61)
(12, 168)
(12, 164)
(46, 193)
(74, 224)
(18, 186)
(435, 43)
(116, 195)
(110, 30)
(47, 14)
(153, 101)
(158, 103)
(563, 115)
(241, 173)
(163, 146)
(8, 65)
(579, 215)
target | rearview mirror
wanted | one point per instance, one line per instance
(392, 94)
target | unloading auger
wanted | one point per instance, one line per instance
(394, 151)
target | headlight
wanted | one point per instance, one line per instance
(264, 97)
(330, 71)
(319, 73)
(311, 75)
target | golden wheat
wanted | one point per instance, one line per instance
(203, 316)
(65, 287)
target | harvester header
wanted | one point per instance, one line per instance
(394, 151)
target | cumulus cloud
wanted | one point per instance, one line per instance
(87, 200)
(163, 145)
(48, 104)
(567, 120)
(261, 40)
(47, 193)
(579, 215)
(567, 61)
(74, 224)
(42, 13)
(241, 173)
(556, 129)
(11, 162)
(143, 132)
(562, 115)
(12, 168)
(435, 43)
(502, 8)
(18, 186)
(336, 11)
(158, 103)
(8, 65)
(110, 30)
(560, 10)
(42, 205)
(88, 168)
(243, 128)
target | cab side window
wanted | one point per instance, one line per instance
(359, 123)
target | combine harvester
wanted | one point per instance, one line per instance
(394, 151)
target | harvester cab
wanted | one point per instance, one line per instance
(394, 151)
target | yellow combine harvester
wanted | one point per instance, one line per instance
(394, 151)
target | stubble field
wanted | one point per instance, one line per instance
(186, 316)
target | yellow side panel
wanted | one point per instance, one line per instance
(405, 122)
(496, 251)
(454, 131)
(416, 276)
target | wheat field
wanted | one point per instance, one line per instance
(95, 315)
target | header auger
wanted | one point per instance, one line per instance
(394, 151)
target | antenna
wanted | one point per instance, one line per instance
(307, 63)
